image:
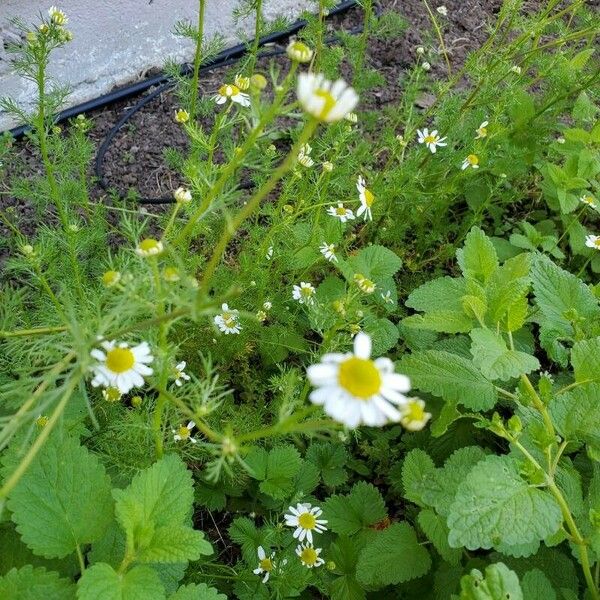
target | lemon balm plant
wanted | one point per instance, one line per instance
(218, 400)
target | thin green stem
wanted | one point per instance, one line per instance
(440, 36)
(35, 331)
(258, 22)
(197, 60)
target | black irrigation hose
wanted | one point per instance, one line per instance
(224, 58)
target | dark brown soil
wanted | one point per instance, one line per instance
(135, 160)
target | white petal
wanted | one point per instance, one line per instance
(322, 374)
(396, 381)
(362, 345)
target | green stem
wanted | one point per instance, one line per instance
(35, 331)
(257, 33)
(539, 405)
(80, 559)
(197, 60)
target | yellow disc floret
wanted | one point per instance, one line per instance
(119, 360)
(307, 520)
(309, 556)
(360, 377)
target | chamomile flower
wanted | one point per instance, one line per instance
(426, 67)
(442, 10)
(261, 315)
(325, 100)
(228, 320)
(309, 555)
(482, 130)
(341, 212)
(233, 93)
(366, 198)
(111, 278)
(305, 518)
(120, 366)
(57, 16)
(299, 52)
(111, 394)
(364, 285)
(327, 166)
(182, 195)
(470, 161)
(354, 389)
(592, 241)
(431, 140)
(328, 251)
(304, 156)
(243, 83)
(182, 116)
(265, 564)
(589, 200)
(304, 293)
(516, 69)
(179, 374)
(184, 433)
(269, 254)
(267, 305)
(414, 417)
(149, 247)
(171, 274)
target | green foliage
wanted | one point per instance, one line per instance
(28, 583)
(102, 581)
(498, 583)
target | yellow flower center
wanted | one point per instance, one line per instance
(430, 139)
(473, 159)
(309, 556)
(266, 564)
(119, 360)
(360, 377)
(415, 412)
(588, 200)
(597, 242)
(110, 278)
(229, 90)
(171, 274)
(307, 521)
(306, 292)
(340, 210)
(42, 421)
(482, 131)
(184, 432)
(369, 198)
(112, 394)
(328, 102)
(149, 245)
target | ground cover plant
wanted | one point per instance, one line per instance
(357, 357)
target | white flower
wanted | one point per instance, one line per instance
(227, 321)
(366, 199)
(431, 140)
(265, 564)
(120, 366)
(341, 212)
(111, 394)
(327, 166)
(299, 52)
(442, 10)
(323, 99)
(516, 69)
(304, 156)
(387, 297)
(305, 518)
(111, 278)
(57, 16)
(149, 247)
(182, 195)
(309, 555)
(267, 305)
(179, 373)
(592, 241)
(182, 116)
(365, 285)
(470, 161)
(269, 254)
(354, 389)
(414, 417)
(589, 200)
(233, 93)
(328, 251)
(184, 433)
(482, 130)
(426, 66)
(420, 50)
(304, 293)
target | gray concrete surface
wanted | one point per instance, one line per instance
(118, 41)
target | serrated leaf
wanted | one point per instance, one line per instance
(435, 528)
(197, 591)
(344, 553)
(495, 360)
(450, 376)
(277, 471)
(495, 505)
(243, 532)
(376, 262)
(330, 460)
(102, 582)
(28, 583)
(585, 358)
(174, 544)
(478, 258)
(392, 557)
(536, 586)
(63, 499)
(442, 321)
(576, 414)
(443, 293)
(417, 469)
(498, 583)
(363, 507)
(384, 334)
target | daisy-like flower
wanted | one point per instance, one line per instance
(328, 251)
(149, 247)
(304, 293)
(42, 421)
(431, 140)
(182, 116)
(228, 320)
(482, 130)
(366, 199)
(304, 156)
(470, 161)
(265, 564)
(261, 315)
(184, 433)
(592, 241)
(299, 52)
(179, 374)
(414, 417)
(57, 16)
(305, 518)
(243, 83)
(442, 10)
(364, 285)
(111, 278)
(516, 69)
(269, 254)
(182, 195)
(233, 93)
(327, 166)
(589, 200)
(354, 389)
(120, 366)
(111, 394)
(267, 305)
(341, 212)
(309, 555)
(426, 66)
(325, 100)
(171, 274)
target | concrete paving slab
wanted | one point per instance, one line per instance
(119, 41)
